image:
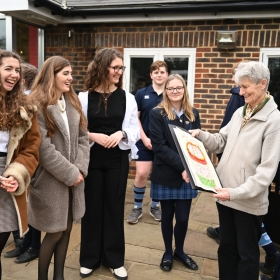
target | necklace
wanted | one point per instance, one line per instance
(106, 96)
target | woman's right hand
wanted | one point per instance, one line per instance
(10, 184)
(79, 180)
(194, 132)
(98, 138)
(185, 176)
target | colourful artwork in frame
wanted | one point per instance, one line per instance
(194, 156)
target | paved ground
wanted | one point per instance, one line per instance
(144, 248)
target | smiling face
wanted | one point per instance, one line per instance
(253, 94)
(63, 80)
(114, 77)
(9, 73)
(175, 96)
(159, 76)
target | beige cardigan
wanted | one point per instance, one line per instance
(250, 157)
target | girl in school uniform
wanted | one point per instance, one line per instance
(169, 180)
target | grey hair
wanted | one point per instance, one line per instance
(254, 71)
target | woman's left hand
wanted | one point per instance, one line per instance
(114, 140)
(10, 184)
(185, 176)
(222, 194)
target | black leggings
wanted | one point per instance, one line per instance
(55, 244)
(4, 236)
(181, 208)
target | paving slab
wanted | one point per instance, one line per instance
(151, 272)
(144, 234)
(210, 268)
(205, 209)
(199, 244)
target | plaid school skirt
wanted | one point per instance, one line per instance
(161, 192)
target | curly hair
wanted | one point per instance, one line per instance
(11, 103)
(44, 94)
(186, 105)
(97, 72)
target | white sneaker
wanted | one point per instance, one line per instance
(120, 273)
(85, 272)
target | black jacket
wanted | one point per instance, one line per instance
(236, 101)
(167, 166)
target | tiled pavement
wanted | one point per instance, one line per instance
(144, 248)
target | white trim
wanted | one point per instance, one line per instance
(266, 53)
(9, 33)
(159, 54)
(170, 17)
(41, 47)
(46, 17)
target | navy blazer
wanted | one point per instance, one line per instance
(167, 165)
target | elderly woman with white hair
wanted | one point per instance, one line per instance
(250, 158)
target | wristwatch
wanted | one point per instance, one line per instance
(124, 135)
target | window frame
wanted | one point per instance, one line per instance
(266, 53)
(159, 54)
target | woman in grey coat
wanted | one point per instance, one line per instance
(57, 191)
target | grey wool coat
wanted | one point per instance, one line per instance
(61, 161)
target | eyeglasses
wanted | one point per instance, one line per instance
(171, 89)
(117, 69)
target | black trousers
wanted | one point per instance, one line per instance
(238, 253)
(102, 230)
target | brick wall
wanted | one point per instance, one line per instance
(213, 67)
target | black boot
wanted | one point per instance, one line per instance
(268, 266)
(265, 277)
(18, 250)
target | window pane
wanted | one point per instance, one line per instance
(139, 73)
(274, 68)
(2, 34)
(27, 42)
(178, 65)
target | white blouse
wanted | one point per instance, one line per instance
(4, 139)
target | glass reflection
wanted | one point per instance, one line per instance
(178, 65)
(139, 73)
(26, 43)
(274, 85)
(2, 34)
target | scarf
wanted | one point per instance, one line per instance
(249, 112)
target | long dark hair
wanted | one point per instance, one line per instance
(97, 72)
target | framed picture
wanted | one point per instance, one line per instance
(199, 167)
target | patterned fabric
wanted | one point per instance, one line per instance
(161, 192)
(249, 112)
(8, 216)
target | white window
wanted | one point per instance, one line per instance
(138, 62)
(271, 58)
